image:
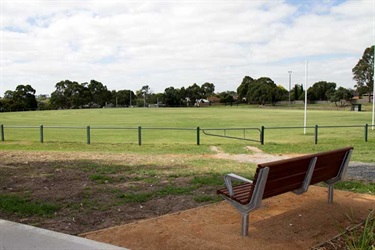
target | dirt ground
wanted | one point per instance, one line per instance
(86, 204)
(287, 221)
(165, 222)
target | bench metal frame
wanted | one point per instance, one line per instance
(256, 198)
(340, 175)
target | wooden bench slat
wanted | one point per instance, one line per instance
(241, 192)
(285, 175)
(327, 165)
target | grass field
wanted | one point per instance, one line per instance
(115, 130)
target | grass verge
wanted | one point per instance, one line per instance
(25, 206)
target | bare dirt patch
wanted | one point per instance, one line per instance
(255, 155)
(91, 190)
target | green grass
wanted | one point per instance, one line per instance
(102, 179)
(25, 206)
(363, 239)
(135, 197)
(230, 117)
(357, 187)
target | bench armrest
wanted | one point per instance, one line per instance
(228, 181)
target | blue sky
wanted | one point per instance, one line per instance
(128, 44)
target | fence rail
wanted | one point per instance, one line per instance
(316, 130)
(260, 132)
(224, 131)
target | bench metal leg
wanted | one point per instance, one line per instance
(245, 224)
(330, 194)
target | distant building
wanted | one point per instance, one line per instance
(202, 103)
(213, 99)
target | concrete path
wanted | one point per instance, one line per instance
(15, 236)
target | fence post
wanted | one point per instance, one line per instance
(41, 134)
(198, 136)
(2, 132)
(366, 132)
(316, 134)
(139, 135)
(262, 136)
(88, 135)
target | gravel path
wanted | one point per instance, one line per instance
(361, 171)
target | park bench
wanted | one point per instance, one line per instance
(278, 177)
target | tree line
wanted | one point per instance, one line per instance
(94, 94)
(73, 95)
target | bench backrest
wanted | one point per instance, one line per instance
(285, 175)
(329, 164)
(288, 175)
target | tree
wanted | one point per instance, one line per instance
(281, 94)
(207, 89)
(2, 105)
(25, 94)
(364, 72)
(183, 96)
(321, 90)
(8, 94)
(8, 102)
(58, 98)
(99, 93)
(156, 98)
(23, 98)
(143, 95)
(43, 102)
(5, 104)
(261, 91)
(123, 98)
(193, 93)
(297, 92)
(227, 97)
(172, 97)
(340, 95)
(70, 94)
(244, 87)
(82, 96)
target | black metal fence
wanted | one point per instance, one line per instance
(256, 134)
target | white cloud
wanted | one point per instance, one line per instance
(126, 44)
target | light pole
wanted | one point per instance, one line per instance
(305, 116)
(290, 81)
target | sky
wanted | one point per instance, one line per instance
(128, 44)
